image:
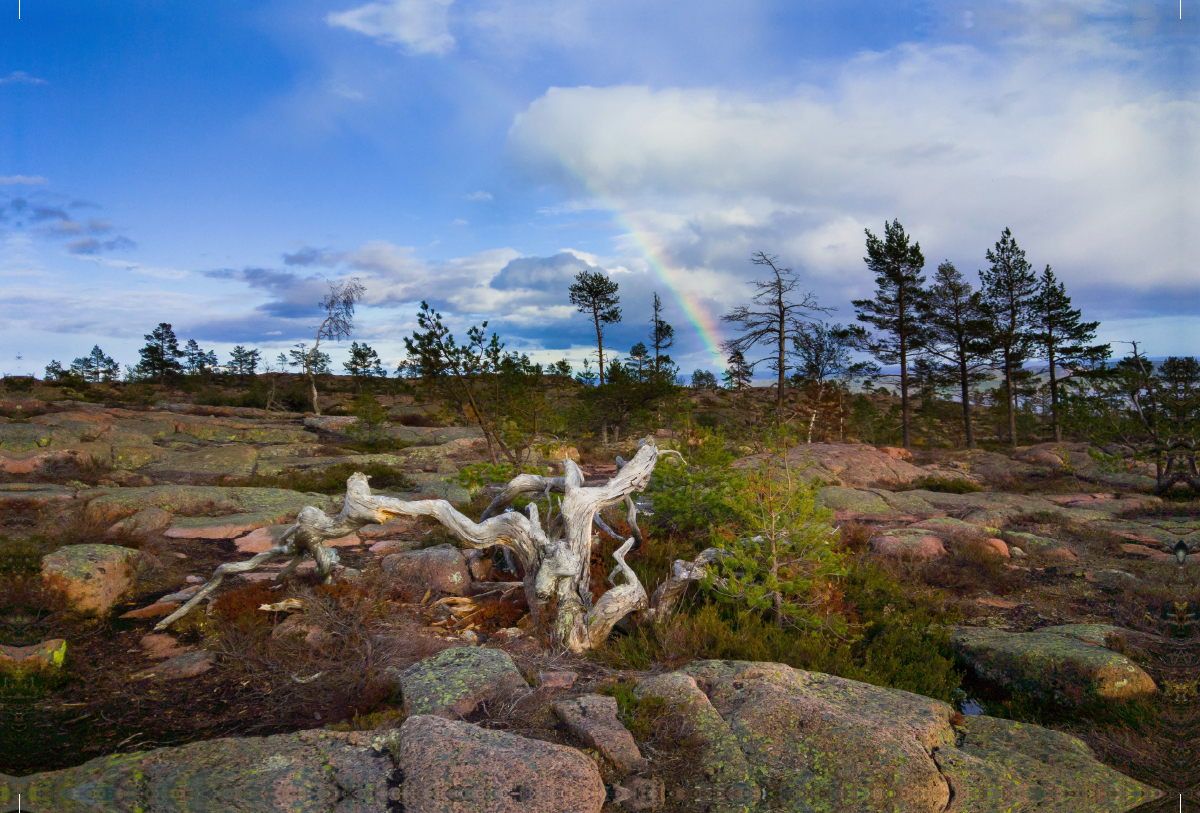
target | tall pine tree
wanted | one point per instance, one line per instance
(895, 311)
(1061, 335)
(958, 330)
(595, 294)
(161, 354)
(662, 336)
(1009, 288)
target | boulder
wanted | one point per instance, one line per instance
(455, 767)
(147, 521)
(386, 547)
(304, 772)
(593, 718)
(93, 577)
(1052, 664)
(818, 742)
(455, 681)
(442, 568)
(914, 546)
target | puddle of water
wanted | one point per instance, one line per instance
(971, 707)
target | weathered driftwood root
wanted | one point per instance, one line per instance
(555, 563)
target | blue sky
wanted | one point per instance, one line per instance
(213, 165)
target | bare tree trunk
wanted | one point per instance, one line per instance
(555, 560)
(1054, 397)
(1011, 400)
(312, 383)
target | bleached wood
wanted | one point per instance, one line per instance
(555, 563)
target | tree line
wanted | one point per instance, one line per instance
(944, 335)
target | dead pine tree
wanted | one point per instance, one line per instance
(775, 310)
(337, 324)
(554, 555)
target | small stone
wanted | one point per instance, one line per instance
(179, 555)
(1016, 552)
(997, 546)
(160, 645)
(187, 665)
(455, 681)
(909, 545)
(1063, 553)
(557, 680)
(480, 565)
(508, 634)
(155, 610)
(386, 547)
(46, 654)
(195, 579)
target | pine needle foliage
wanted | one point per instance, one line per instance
(782, 558)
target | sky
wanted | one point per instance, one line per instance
(217, 165)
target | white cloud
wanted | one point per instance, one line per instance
(418, 26)
(30, 180)
(458, 221)
(480, 195)
(21, 78)
(1088, 165)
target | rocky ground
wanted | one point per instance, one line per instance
(1064, 574)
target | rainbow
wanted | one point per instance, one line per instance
(698, 317)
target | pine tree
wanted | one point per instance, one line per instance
(895, 310)
(96, 367)
(958, 333)
(364, 363)
(640, 363)
(775, 312)
(243, 361)
(160, 357)
(662, 336)
(1060, 333)
(738, 373)
(586, 376)
(561, 367)
(595, 294)
(704, 380)
(198, 361)
(1009, 288)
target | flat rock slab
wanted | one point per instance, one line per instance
(147, 521)
(856, 503)
(201, 501)
(92, 576)
(304, 772)
(226, 527)
(455, 681)
(1002, 766)
(593, 718)
(1052, 664)
(33, 495)
(818, 742)
(455, 767)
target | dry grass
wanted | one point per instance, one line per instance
(334, 666)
